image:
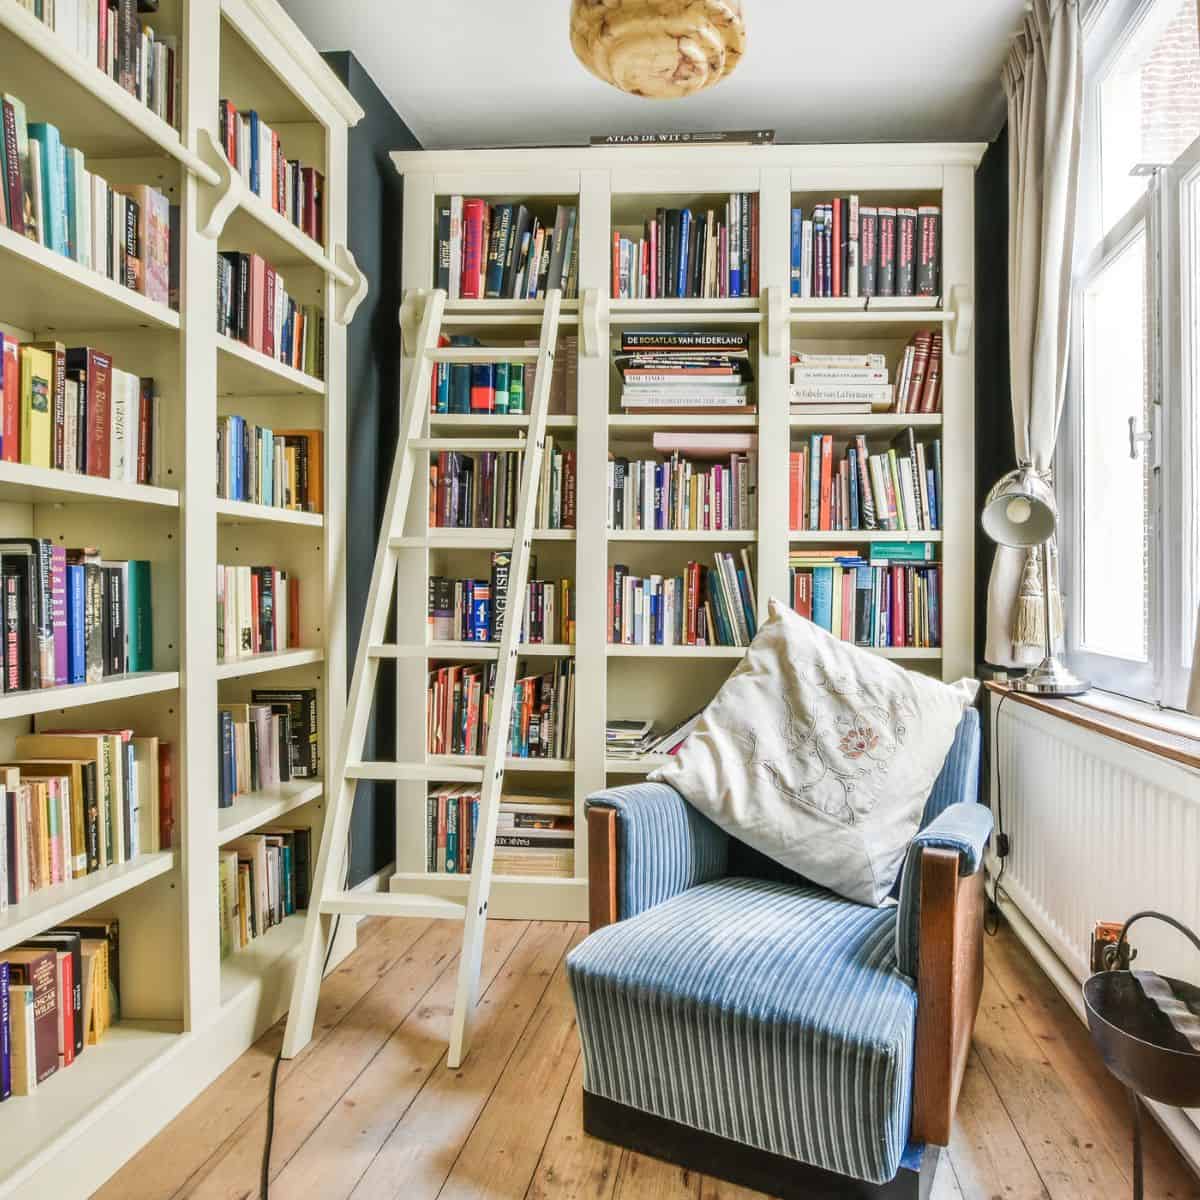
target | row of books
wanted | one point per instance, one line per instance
(143, 60)
(59, 994)
(258, 611)
(255, 152)
(897, 489)
(70, 409)
(253, 306)
(127, 234)
(479, 489)
(844, 248)
(535, 835)
(273, 738)
(473, 610)
(680, 371)
(458, 705)
(505, 251)
(677, 493)
(502, 388)
(858, 383)
(630, 738)
(75, 802)
(71, 616)
(262, 878)
(710, 253)
(919, 379)
(281, 468)
(890, 598)
(704, 606)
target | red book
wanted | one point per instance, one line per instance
(836, 252)
(98, 369)
(911, 401)
(795, 466)
(145, 465)
(931, 392)
(166, 797)
(568, 503)
(802, 593)
(826, 479)
(255, 645)
(66, 1009)
(474, 216)
(268, 317)
(10, 398)
(258, 287)
(653, 240)
(754, 243)
(899, 614)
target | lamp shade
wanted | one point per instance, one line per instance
(1020, 510)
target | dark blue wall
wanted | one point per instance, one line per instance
(373, 399)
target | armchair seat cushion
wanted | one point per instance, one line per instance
(765, 1012)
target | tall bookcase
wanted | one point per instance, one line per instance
(186, 1013)
(617, 189)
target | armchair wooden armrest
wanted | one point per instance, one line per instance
(602, 867)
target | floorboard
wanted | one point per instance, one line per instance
(369, 1110)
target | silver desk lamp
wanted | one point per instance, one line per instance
(1020, 512)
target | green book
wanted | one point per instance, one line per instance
(140, 617)
(902, 551)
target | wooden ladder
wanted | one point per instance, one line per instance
(328, 894)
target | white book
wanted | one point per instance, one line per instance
(91, 31)
(118, 416)
(132, 421)
(83, 211)
(455, 246)
(71, 427)
(878, 394)
(99, 202)
(145, 767)
(839, 375)
(806, 261)
(875, 361)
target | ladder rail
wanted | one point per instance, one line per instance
(470, 960)
(339, 789)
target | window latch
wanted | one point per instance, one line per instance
(1136, 437)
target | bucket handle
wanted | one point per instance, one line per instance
(1119, 956)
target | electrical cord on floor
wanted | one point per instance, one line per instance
(991, 916)
(265, 1174)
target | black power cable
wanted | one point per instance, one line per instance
(991, 918)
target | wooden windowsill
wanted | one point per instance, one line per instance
(1131, 723)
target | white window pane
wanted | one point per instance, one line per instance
(1149, 102)
(1115, 486)
(1189, 277)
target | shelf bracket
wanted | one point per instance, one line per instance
(777, 320)
(962, 318)
(589, 322)
(217, 200)
(412, 310)
(347, 296)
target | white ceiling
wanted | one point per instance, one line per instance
(493, 73)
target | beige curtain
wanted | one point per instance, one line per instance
(1043, 80)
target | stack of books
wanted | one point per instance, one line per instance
(459, 707)
(281, 468)
(706, 254)
(50, 196)
(713, 606)
(472, 610)
(71, 616)
(73, 803)
(256, 154)
(681, 494)
(844, 248)
(899, 488)
(892, 598)
(840, 384)
(258, 611)
(685, 371)
(504, 251)
(59, 994)
(254, 307)
(70, 409)
(634, 739)
(256, 749)
(535, 835)
(264, 877)
(919, 379)
(478, 490)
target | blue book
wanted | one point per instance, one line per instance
(852, 455)
(5, 1034)
(226, 776)
(54, 198)
(685, 229)
(931, 489)
(76, 651)
(933, 587)
(254, 139)
(237, 438)
(452, 836)
(460, 377)
(735, 245)
(797, 249)
(481, 615)
(864, 611)
(442, 397)
(823, 597)
(747, 603)
(71, 220)
(656, 631)
(267, 483)
(814, 481)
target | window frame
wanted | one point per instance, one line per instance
(1109, 26)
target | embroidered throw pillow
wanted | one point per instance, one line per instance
(821, 755)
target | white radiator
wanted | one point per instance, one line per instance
(1098, 829)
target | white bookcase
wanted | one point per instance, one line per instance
(616, 189)
(186, 1014)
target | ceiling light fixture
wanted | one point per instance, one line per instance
(660, 49)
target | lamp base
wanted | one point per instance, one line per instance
(1050, 678)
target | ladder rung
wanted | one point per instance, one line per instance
(467, 443)
(465, 539)
(483, 354)
(393, 904)
(482, 651)
(414, 771)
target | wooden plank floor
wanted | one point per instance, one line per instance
(369, 1110)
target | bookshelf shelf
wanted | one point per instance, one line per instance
(241, 512)
(887, 424)
(682, 535)
(510, 764)
(840, 324)
(636, 421)
(514, 307)
(274, 660)
(619, 650)
(476, 651)
(60, 902)
(23, 484)
(257, 966)
(635, 766)
(115, 687)
(693, 310)
(496, 421)
(242, 370)
(45, 291)
(255, 225)
(797, 536)
(253, 809)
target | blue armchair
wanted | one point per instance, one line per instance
(743, 1022)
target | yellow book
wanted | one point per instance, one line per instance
(37, 374)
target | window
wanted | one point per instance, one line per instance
(1129, 454)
